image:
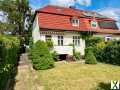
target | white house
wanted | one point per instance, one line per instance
(64, 25)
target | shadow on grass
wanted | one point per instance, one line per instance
(103, 86)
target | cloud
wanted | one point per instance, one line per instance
(67, 3)
(112, 13)
(84, 2)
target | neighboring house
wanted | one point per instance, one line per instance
(64, 25)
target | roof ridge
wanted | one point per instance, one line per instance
(86, 13)
(64, 8)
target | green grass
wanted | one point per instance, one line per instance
(78, 76)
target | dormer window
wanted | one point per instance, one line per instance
(94, 24)
(75, 21)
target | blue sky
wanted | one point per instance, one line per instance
(94, 4)
(110, 8)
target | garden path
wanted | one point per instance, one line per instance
(26, 76)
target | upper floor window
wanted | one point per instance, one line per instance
(75, 21)
(76, 40)
(94, 24)
(60, 40)
(108, 25)
(48, 37)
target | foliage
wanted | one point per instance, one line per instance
(89, 57)
(55, 55)
(31, 43)
(93, 41)
(49, 44)
(86, 35)
(16, 13)
(107, 52)
(41, 57)
(9, 47)
(77, 55)
(110, 53)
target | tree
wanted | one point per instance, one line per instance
(16, 11)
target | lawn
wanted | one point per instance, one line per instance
(78, 76)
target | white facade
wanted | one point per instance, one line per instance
(36, 31)
(67, 40)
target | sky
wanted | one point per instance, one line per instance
(109, 8)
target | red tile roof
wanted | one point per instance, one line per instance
(58, 18)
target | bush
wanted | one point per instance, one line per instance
(9, 52)
(111, 53)
(93, 41)
(30, 42)
(41, 57)
(49, 44)
(77, 55)
(54, 55)
(107, 52)
(90, 58)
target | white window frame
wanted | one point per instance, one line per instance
(94, 22)
(108, 38)
(75, 22)
(60, 40)
(76, 40)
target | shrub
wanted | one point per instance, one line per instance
(9, 49)
(90, 58)
(54, 55)
(41, 57)
(30, 42)
(93, 41)
(77, 55)
(110, 53)
(49, 44)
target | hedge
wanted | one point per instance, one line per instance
(9, 47)
(41, 56)
(106, 52)
(90, 57)
(110, 53)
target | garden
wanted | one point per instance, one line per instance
(102, 60)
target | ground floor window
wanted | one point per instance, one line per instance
(76, 40)
(108, 38)
(60, 40)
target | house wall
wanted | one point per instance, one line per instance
(68, 39)
(113, 37)
(66, 48)
(36, 30)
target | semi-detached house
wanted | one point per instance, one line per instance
(64, 25)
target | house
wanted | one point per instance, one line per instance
(64, 25)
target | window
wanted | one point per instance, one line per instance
(107, 25)
(76, 40)
(94, 24)
(48, 37)
(107, 38)
(75, 22)
(60, 40)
